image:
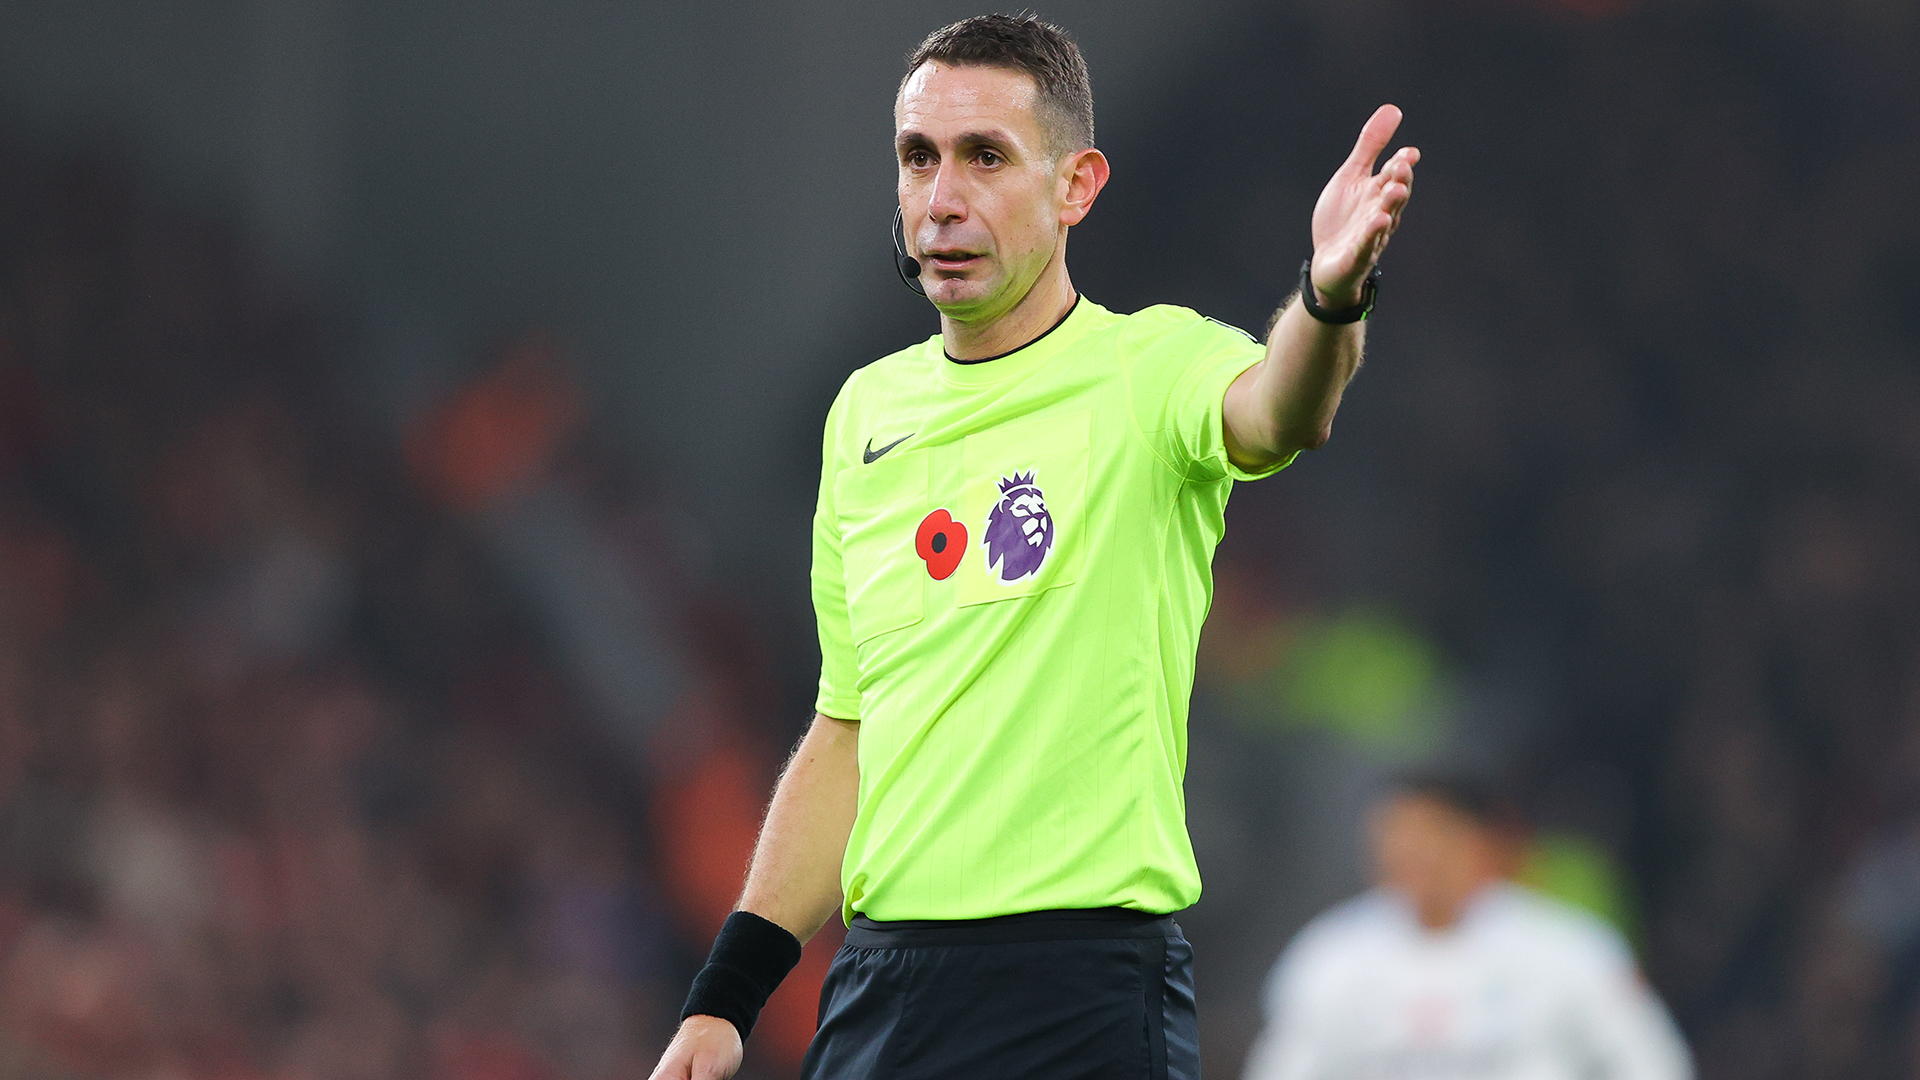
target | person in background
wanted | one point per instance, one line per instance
(1446, 968)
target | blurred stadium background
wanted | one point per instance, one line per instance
(408, 431)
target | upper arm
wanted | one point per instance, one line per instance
(1181, 368)
(1242, 416)
(836, 727)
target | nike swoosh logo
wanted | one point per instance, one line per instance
(870, 455)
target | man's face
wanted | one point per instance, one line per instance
(980, 194)
(1432, 854)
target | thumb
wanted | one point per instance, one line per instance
(1374, 136)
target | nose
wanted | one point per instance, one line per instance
(947, 201)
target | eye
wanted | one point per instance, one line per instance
(988, 158)
(917, 159)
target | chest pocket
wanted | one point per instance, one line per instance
(1026, 502)
(879, 506)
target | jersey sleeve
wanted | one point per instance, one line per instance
(1621, 1029)
(1179, 366)
(839, 696)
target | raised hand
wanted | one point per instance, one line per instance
(1358, 211)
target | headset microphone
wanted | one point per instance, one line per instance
(904, 264)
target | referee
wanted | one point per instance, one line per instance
(1011, 562)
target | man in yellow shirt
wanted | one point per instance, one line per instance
(1012, 560)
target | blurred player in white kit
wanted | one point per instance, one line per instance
(1448, 969)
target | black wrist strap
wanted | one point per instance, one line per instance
(1369, 291)
(749, 958)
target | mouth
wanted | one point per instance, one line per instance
(951, 261)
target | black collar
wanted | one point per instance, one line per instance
(1071, 308)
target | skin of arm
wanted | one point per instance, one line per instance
(1285, 403)
(794, 879)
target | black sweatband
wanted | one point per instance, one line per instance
(1369, 292)
(748, 960)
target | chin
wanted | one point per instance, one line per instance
(958, 297)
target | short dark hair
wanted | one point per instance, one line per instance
(1023, 43)
(1483, 798)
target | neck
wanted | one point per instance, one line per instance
(1045, 304)
(1444, 912)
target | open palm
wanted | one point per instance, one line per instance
(1359, 209)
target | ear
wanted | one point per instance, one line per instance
(1082, 174)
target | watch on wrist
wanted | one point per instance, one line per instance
(1369, 291)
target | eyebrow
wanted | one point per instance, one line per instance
(911, 140)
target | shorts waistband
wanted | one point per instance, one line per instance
(1086, 924)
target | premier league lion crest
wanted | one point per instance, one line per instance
(1020, 530)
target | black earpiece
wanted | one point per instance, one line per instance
(904, 264)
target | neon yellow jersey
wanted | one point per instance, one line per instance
(1011, 563)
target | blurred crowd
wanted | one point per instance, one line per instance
(291, 784)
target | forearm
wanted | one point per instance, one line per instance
(1285, 403)
(793, 882)
(794, 879)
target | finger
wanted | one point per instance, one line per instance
(1374, 136)
(1387, 190)
(1392, 202)
(1398, 168)
(1388, 194)
(1382, 228)
(1358, 248)
(1395, 188)
(1396, 174)
(1373, 239)
(1376, 242)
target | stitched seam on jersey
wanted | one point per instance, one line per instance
(1227, 472)
(1161, 605)
(1133, 414)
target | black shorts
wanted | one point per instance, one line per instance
(1050, 995)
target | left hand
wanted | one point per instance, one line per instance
(1358, 211)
